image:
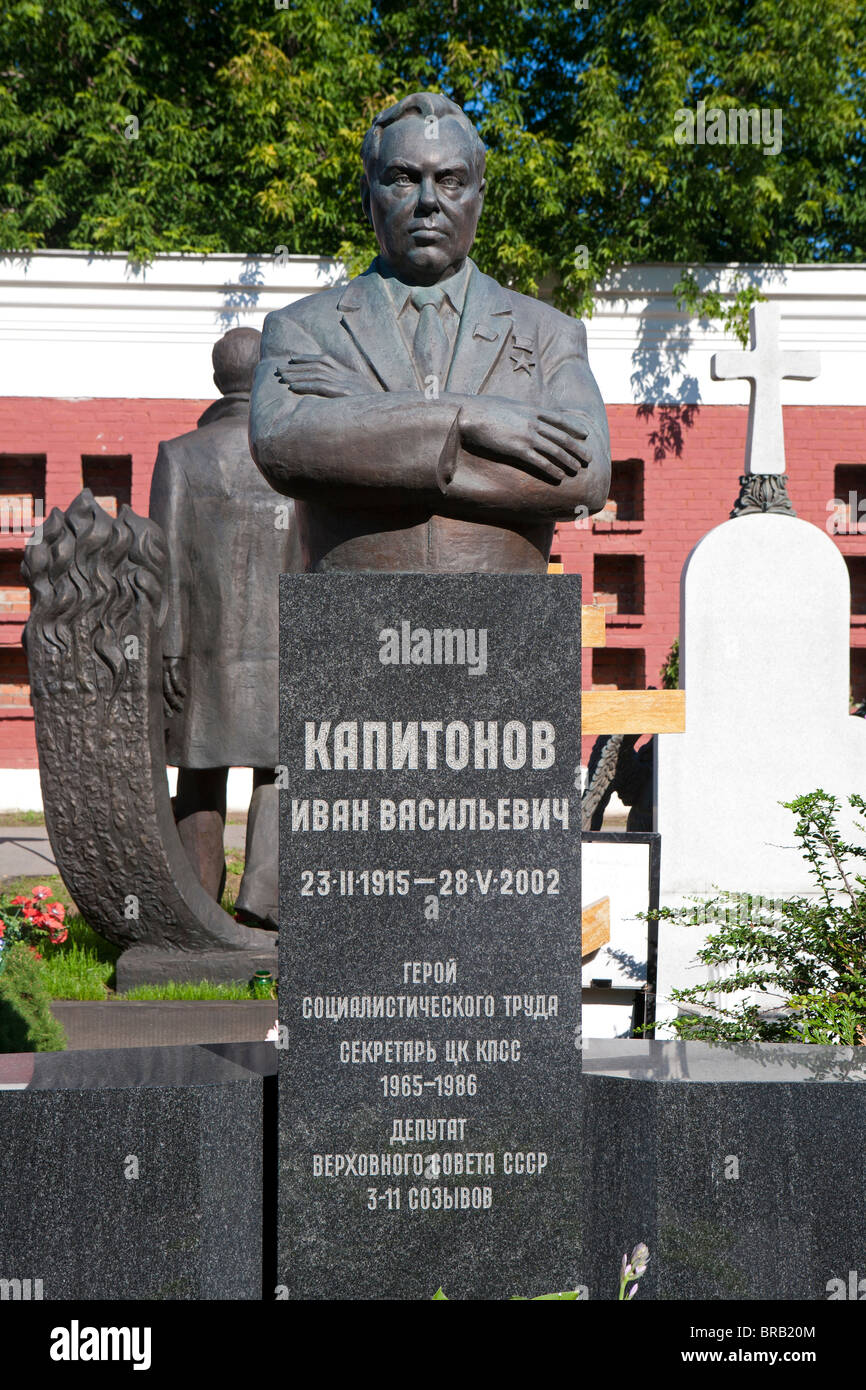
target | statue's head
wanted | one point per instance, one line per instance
(235, 357)
(423, 186)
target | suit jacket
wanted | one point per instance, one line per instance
(225, 557)
(382, 478)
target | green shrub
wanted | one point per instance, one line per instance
(808, 952)
(26, 1021)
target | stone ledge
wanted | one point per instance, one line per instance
(171, 1022)
(741, 1167)
(135, 1173)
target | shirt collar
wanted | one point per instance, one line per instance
(454, 288)
(233, 403)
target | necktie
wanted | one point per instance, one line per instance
(431, 346)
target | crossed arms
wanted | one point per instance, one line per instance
(318, 423)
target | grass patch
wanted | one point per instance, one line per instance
(200, 990)
(25, 883)
(83, 967)
(74, 972)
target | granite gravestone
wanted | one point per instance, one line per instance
(430, 936)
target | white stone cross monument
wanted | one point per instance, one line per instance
(765, 662)
(765, 366)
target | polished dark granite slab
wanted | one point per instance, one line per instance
(132, 1173)
(452, 838)
(743, 1168)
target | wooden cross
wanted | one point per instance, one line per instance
(620, 712)
(765, 366)
(626, 711)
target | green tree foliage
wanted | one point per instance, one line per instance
(249, 119)
(808, 952)
(670, 672)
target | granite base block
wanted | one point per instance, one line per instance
(132, 1174)
(742, 1168)
(142, 965)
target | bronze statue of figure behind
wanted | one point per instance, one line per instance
(227, 547)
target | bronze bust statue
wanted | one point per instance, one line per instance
(425, 417)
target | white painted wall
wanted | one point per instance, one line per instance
(20, 789)
(642, 349)
(111, 328)
(117, 329)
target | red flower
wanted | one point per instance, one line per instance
(41, 892)
(57, 910)
(2, 928)
(16, 902)
(57, 935)
(36, 953)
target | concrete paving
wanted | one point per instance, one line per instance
(26, 849)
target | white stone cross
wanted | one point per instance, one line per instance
(764, 367)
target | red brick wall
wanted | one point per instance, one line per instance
(691, 460)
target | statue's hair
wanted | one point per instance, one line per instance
(235, 356)
(421, 104)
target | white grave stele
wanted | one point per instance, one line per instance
(764, 659)
(765, 664)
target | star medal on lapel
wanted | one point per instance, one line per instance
(521, 355)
